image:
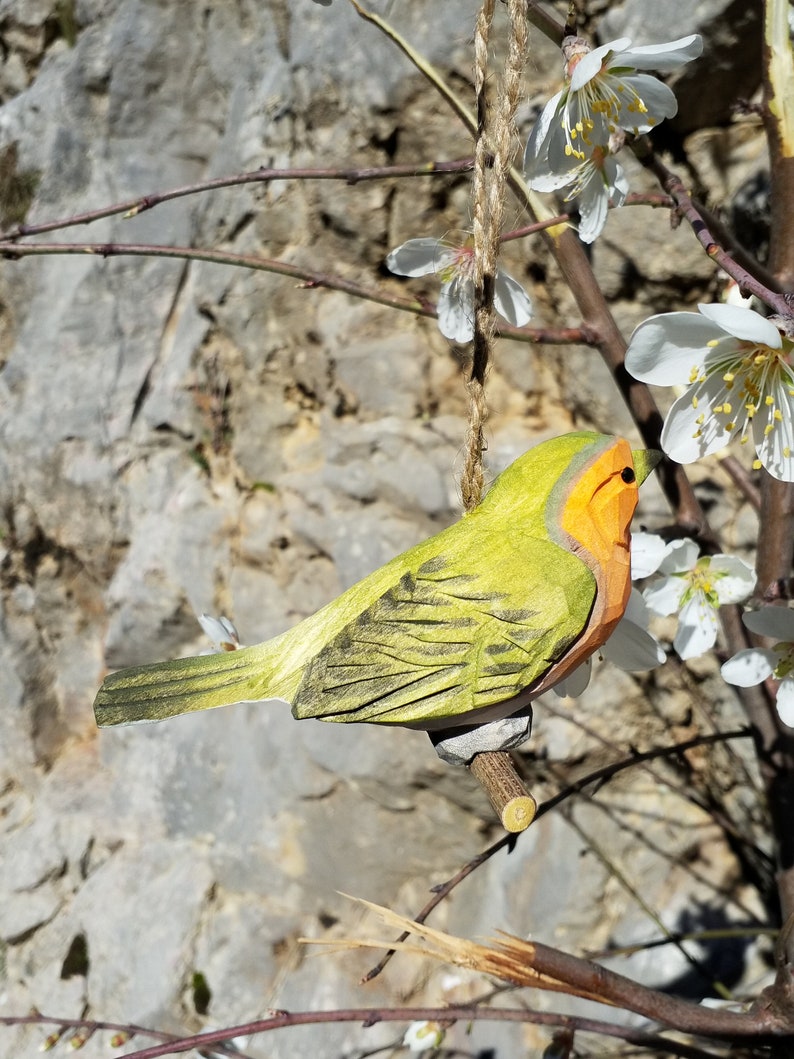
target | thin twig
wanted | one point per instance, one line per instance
(142, 203)
(599, 776)
(616, 873)
(736, 931)
(748, 283)
(308, 279)
(372, 1016)
(692, 796)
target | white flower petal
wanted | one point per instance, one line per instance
(647, 552)
(691, 432)
(550, 180)
(664, 349)
(775, 448)
(775, 622)
(456, 310)
(615, 176)
(618, 46)
(743, 323)
(664, 57)
(659, 101)
(536, 155)
(734, 579)
(575, 683)
(593, 201)
(636, 609)
(749, 667)
(590, 64)
(664, 597)
(547, 164)
(419, 257)
(221, 631)
(632, 648)
(511, 300)
(679, 556)
(697, 628)
(588, 67)
(422, 1036)
(785, 702)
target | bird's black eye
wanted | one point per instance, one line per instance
(628, 475)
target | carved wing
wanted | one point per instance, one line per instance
(441, 642)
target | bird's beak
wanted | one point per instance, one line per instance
(644, 462)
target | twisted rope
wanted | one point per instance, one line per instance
(495, 147)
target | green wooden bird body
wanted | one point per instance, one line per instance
(467, 626)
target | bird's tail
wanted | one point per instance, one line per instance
(152, 693)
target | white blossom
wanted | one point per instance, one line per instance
(581, 128)
(696, 587)
(754, 665)
(647, 552)
(741, 383)
(222, 632)
(630, 647)
(423, 1036)
(596, 182)
(455, 268)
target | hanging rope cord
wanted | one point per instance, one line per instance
(495, 147)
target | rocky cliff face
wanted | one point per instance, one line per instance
(179, 437)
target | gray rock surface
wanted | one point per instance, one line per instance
(184, 437)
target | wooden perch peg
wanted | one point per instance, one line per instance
(512, 802)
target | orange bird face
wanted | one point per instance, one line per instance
(595, 520)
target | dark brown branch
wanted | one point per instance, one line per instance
(572, 261)
(774, 740)
(372, 1016)
(546, 22)
(736, 252)
(671, 1011)
(528, 963)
